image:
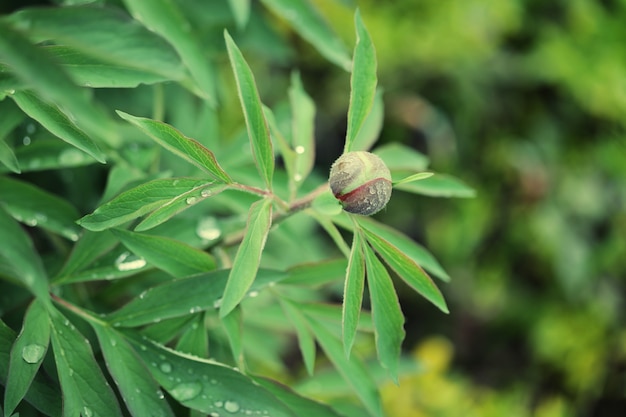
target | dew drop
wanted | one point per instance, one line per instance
(205, 193)
(33, 353)
(129, 262)
(299, 149)
(71, 156)
(175, 183)
(253, 294)
(208, 229)
(87, 412)
(191, 200)
(113, 342)
(186, 391)
(297, 177)
(26, 140)
(165, 367)
(231, 406)
(195, 309)
(218, 404)
(214, 414)
(31, 222)
(160, 394)
(217, 303)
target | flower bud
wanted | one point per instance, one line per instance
(361, 181)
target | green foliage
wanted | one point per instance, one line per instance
(203, 243)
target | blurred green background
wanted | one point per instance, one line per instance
(526, 102)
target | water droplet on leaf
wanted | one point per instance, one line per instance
(208, 229)
(129, 262)
(191, 200)
(231, 406)
(33, 353)
(166, 367)
(186, 391)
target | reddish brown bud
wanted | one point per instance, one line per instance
(361, 181)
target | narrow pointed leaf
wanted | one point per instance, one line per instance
(182, 297)
(47, 153)
(178, 204)
(408, 270)
(87, 30)
(42, 395)
(305, 339)
(372, 125)
(27, 355)
(140, 200)
(362, 82)
(11, 117)
(26, 61)
(167, 19)
(318, 273)
(205, 385)
(248, 257)
(140, 391)
(352, 370)
(386, 313)
(233, 325)
(301, 406)
(177, 143)
(55, 121)
(303, 124)
(36, 207)
(85, 389)
(194, 340)
(309, 23)
(439, 185)
(415, 177)
(90, 246)
(405, 244)
(252, 107)
(19, 260)
(353, 292)
(171, 256)
(241, 12)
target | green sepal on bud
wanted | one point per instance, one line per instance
(361, 182)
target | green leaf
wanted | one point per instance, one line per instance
(233, 325)
(362, 82)
(372, 125)
(206, 385)
(89, 71)
(248, 257)
(351, 369)
(42, 395)
(165, 18)
(317, 273)
(399, 157)
(303, 129)
(415, 177)
(241, 12)
(305, 340)
(140, 391)
(19, 260)
(408, 270)
(178, 204)
(11, 117)
(194, 340)
(51, 153)
(309, 23)
(174, 257)
(177, 143)
(140, 200)
(89, 247)
(386, 313)
(439, 185)
(85, 389)
(252, 107)
(27, 355)
(57, 123)
(353, 292)
(26, 60)
(301, 406)
(36, 207)
(406, 245)
(87, 30)
(183, 297)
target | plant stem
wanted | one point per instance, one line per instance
(84, 314)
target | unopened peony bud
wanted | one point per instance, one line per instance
(361, 181)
